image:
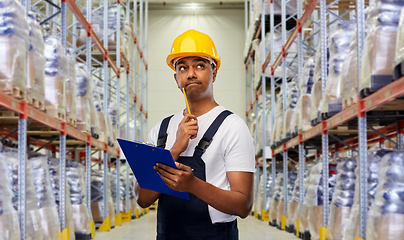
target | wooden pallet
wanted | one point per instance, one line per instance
(36, 103)
(347, 102)
(72, 122)
(8, 113)
(17, 93)
(56, 112)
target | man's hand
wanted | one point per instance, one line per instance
(187, 129)
(181, 179)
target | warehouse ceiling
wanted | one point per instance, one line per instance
(195, 5)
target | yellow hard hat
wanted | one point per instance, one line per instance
(193, 43)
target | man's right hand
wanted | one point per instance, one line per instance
(187, 129)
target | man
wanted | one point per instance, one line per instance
(213, 150)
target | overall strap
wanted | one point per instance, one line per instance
(208, 136)
(162, 137)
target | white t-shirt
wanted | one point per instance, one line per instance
(231, 149)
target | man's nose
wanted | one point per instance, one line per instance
(191, 73)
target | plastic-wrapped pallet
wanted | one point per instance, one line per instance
(380, 45)
(97, 196)
(303, 106)
(386, 215)
(316, 89)
(54, 181)
(292, 97)
(132, 196)
(56, 73)
(9, 225)
(259, 199)
(281, 210)
(343, 198)
(293, 205)
(35, 64)
(278, 130)
(128, 47)
(374, 158)
(349, 74)
(98, 99)
(113, 115)
(399, 56)
(83, 84)
(75, 173)
(33, 226)
(14, 42)
(302, 213)
(276, 199)
(98, 26)
(339, 40)
(314, 198)
(121, 190)
(71, 90)
(259, 140)
(47, 208)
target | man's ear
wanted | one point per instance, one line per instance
(214, 74)
(176, 80)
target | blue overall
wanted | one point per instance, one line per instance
(179, 219)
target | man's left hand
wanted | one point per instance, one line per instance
(180, 179)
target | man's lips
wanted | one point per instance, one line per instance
(191, 83)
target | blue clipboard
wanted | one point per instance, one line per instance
(141, 158)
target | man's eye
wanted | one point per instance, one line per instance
(181, 68)
(200, 66)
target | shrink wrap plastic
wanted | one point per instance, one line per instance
(276, 198)
(399, 56)
(343, 198)
(46, 200)
(257, 8)
(259, 140)
(113, 115)
(293, 204)
(380, 44)
(316, 89)
(35, 61)
(98, 99)
(314, 198)
(33, 226)
(71, 88)
(292, 97)
(302, 119)
(339, 40)
(386, 215)
(373, 158)
(291, 184)
(277, 130)
(260, 201)
(75, 174)
(83, 84)
(97, 195)
(349, 74)
(121, 190)
(9, 225)
(54, 171)
(303, 214)
(14, 43)
(56, 73)
(97, 19)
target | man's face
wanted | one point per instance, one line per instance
(196, 75)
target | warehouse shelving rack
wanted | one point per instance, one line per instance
(70, 138)
(324, 136)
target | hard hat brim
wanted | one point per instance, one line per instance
(173, 56)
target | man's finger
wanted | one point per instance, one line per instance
(183, 167)
(166, 168)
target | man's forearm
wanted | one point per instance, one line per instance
(145, 197)
(230, 202)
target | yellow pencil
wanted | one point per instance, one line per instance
(186, 100)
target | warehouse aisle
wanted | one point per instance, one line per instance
(144, 228)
